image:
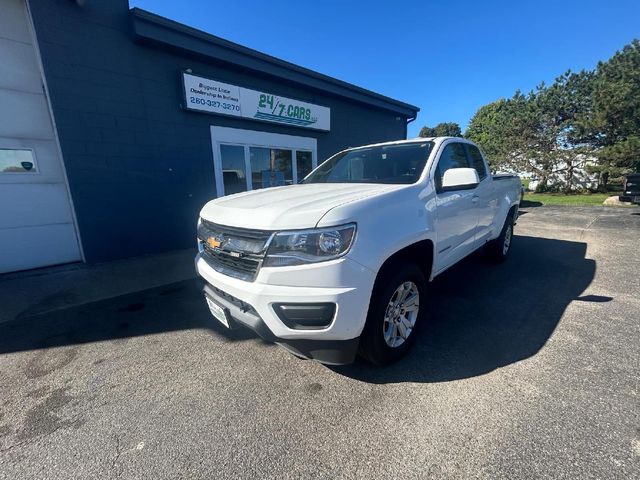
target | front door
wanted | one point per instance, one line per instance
(456, 216)
(248, 160)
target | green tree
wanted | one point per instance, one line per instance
(504, 129)
(612, 125)
(445, 129)
(488, 129)
(585, 120)
(427, 132)
(559, 148)
(535, 132)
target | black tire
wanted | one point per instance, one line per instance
(496, 249)
(373, 345)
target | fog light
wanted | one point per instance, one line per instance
(305, 316)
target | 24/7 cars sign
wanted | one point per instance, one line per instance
(206, 95)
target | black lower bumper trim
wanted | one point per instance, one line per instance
(333, 352)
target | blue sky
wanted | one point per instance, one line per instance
(448, 58)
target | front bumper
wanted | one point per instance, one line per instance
(343, 282)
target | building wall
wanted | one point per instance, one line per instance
(139, 166)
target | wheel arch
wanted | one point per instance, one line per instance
(421, 253)
(509, 207)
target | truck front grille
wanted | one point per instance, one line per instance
(236, 252)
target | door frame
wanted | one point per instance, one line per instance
(254, 138)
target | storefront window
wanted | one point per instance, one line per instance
(248, 159)
(17, 161)
(233, 169)
(270, 167)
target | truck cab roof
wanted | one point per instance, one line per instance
(410, 140)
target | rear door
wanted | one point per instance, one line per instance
(456, 217)
(486, 200)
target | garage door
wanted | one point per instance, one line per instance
(36, 221)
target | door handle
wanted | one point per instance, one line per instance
(475, 198)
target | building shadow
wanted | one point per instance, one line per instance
(178, 306)
(483, 317)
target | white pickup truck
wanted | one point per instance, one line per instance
(340, 263)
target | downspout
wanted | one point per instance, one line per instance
(406, 125)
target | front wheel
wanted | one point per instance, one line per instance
(397, 308)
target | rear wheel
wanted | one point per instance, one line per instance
(499, 249)
(396, 310)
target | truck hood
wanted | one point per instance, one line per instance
(290, 207)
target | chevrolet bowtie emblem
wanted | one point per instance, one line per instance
(213, 242)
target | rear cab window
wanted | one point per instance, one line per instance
(476, 161)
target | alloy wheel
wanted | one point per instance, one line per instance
(507, 239)
(401, 314)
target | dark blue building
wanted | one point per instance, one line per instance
(149, 119)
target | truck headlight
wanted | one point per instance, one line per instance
(298, 247)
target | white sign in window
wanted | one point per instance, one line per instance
(17, 160)
(207, 95)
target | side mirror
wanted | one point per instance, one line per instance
(460, 179)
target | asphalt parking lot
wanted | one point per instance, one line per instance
(529, 369)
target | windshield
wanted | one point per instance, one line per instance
(402, 163)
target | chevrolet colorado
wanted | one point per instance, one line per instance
(340, 263)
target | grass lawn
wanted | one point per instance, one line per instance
(585, 199)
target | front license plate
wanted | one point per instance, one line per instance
(218, 312)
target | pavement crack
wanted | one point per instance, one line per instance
(114, 463)
(15, 445)
(588, 225)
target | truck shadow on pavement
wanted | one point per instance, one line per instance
(484, 317)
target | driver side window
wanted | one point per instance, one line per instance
(453, 156)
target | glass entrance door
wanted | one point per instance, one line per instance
(234, 173)
(259, 160)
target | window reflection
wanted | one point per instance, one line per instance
(234, 173)
(17, 161)
(270, 167)
(303, 164)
